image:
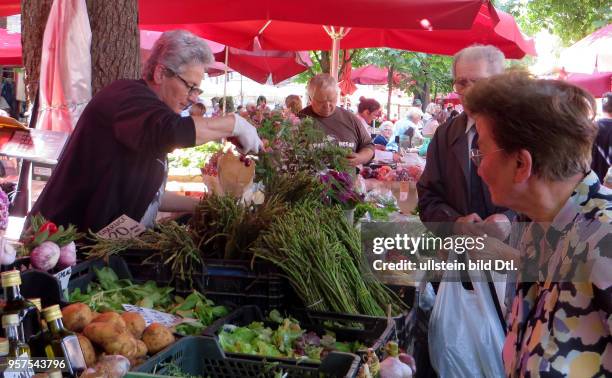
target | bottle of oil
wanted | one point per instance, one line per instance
(28, 314)
(4, 351)
(37, 342)
(62, 343)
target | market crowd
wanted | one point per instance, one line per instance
(521, 151)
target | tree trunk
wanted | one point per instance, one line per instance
(426, 95)
(389, 90)
(115, 40)
(325, 62)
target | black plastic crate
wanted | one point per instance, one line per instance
(373, 332)
(144, 265)
(204, 357)
(242, 283)
(39, 284)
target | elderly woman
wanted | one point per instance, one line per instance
(339, 124)
(534, 153)
(386, 132)
(293, 103)
(115, 161)
(407, 130)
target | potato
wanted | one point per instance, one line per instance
(157, 337)
(110, 317)
(100, 332)
(135, 323)
(76, 316)
(141, 349)
(124, 345)
(88, 350)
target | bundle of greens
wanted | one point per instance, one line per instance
(196, 306)
(299, 148)
(321, 255)
(376, 212)
(288, 340)
(226, 227)
(109, 293)
(194, 157)
(171, 242)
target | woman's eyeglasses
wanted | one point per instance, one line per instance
(476, 156)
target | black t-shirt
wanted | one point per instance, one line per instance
(343, 126)
(602, 148)
(114, 161)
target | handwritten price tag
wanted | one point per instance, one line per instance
(64, 277)
(123, 227)
(153, 316)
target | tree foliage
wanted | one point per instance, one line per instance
(570, 20)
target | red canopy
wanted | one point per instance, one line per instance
(597, 84)
(257, 65)
(10, 48)
(10, 7)
(591, 54)
(486, 25)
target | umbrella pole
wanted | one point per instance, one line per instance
(225, 79)
(336, 36)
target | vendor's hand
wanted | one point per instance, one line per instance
(361, 157)
(470, 224)
(353, 159)
(497, 226)
(246, 135)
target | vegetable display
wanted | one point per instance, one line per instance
(321, 255)
(49, 245)
(287, 340)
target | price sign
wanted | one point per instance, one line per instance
(64, 277)
(123, 227)
(151, 316)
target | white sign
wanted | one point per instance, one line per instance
(123, 227)
(151, 316)
(64, 277)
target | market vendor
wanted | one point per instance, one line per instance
(115, 161)
(338, 123)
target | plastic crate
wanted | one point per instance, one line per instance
(240, 283)
(373, 332)
(39, 284)
(145, 266)
(202, 356)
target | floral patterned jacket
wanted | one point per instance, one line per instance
(561, 319)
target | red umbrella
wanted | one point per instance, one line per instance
(591, 54)
(597, 83)
(10, 7)
(10, 48)
(373, 75)
(453, 98)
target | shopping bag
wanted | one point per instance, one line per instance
(465, 334)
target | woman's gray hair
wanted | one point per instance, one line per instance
(176, 48)
(319, 81)
(490, 54)
(414, 112)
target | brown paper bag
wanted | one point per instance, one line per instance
(234, 176)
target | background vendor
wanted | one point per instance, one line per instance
(338, 123)
(115, 161)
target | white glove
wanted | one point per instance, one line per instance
(247, 135)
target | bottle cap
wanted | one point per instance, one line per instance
(36, 302)
(4, 347)
(52, 313)
(10, 278)
(10, 319)
(55, 374)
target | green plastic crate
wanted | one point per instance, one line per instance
(202, 356)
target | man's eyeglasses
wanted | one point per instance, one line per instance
(192, 89)
(476, 156)
(461, 84)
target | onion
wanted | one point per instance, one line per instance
(45, 256)
(392, 367)
(67, 255)
(7, 254)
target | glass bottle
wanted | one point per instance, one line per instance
(28, 314)
(62, 343)
(4, 351)
(37, 342)
(12, 329)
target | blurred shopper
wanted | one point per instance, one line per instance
(368, 110)
(293, 103)
(602, 148)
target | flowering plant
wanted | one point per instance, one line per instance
(339, 190)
